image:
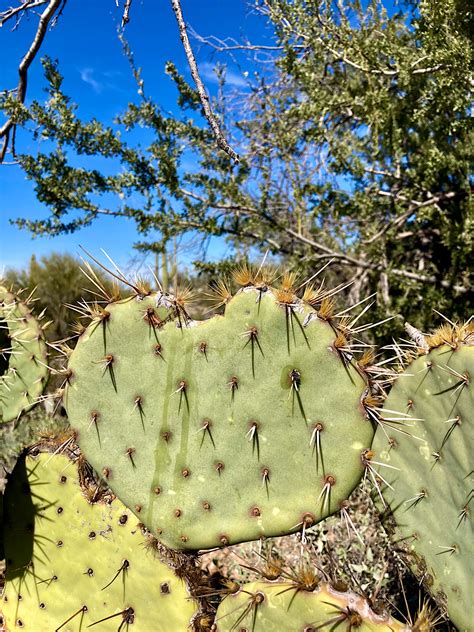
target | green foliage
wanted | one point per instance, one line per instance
(24, 378)
(356, 144)
(206, 429)
(301, 604)
(77, 556)
(426, 468)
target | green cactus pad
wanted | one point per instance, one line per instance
(23, 344)
(431, 489)
(246, 425)
(71, 563)
(275, 606)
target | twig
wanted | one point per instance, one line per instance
(221, 141)
(136, 72)
(12, 11)
(222, 46)
(25, 63)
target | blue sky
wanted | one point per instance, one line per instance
(97, 77)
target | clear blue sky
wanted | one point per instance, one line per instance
(97, 76)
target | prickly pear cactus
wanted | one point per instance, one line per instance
(427, 466)
(246, 425)
(276, 606)
(73, 563)
(23, 357)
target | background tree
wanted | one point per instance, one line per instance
(355, 144)
(58, 283)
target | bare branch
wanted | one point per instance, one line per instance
(427, 71)
(401, 219)
(326, 253)
(25, 63)
(428, 279)
(136, 71)
(374, 266)
(212, 120)
(14, 11)
(223, 46)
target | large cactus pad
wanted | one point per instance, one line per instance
(23, 357)
(71, 564)
(245, 425)
(273, 607)
(431, 490)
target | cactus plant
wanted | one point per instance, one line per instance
(76, 557)
(426, 470)
(276, 606)
(207, 430)
(25, 375)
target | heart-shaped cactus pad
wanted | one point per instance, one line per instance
(241, 426)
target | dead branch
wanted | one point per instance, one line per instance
(212, 120)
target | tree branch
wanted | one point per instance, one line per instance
(428, 279)
(398, 221)
(221, 46)
(212, 120)
(327, 252)
(25, 63)
(13, 11)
